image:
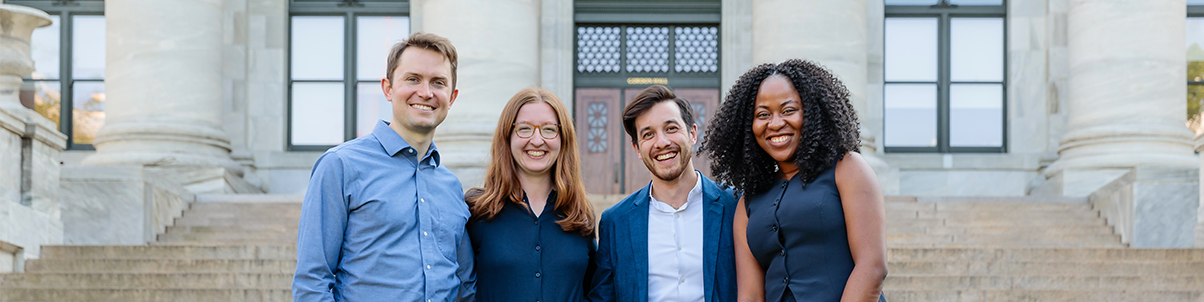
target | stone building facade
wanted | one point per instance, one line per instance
(956, 98)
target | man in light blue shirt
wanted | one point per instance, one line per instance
(383, 219)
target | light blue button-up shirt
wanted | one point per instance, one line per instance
(380, 224)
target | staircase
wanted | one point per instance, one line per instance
(238, 248)
(241, 248)
(1025, 249)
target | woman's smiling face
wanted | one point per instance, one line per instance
(778, 118)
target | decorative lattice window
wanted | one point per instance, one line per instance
(605, 50)
(697, 49)
(598, 49)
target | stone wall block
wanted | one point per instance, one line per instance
(1152, 207)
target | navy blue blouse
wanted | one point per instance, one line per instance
(520, 257)
(797, 233)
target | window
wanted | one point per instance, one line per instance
(1195, 65)
(67, 85)
(945, 87)
(338, 50)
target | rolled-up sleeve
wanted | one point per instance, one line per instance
(320, 230)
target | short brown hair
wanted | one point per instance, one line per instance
(425, 41)
(651, 96)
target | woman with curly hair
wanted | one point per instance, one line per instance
(532, 229)
(811, 223)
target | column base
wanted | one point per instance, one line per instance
(154, 143)
(1125, 146)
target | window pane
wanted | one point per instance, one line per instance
(648, 49)
(371, 106)
(976, 49)
(910, 119)
(44, 48)
(374, 40)
(976, 115)
(317, 48)
(88, 47)
(317, 114)
(1195, 95)
(88, 110)
(1195, 2)
(1195, 49)
(976, 2)
(47, 100)
(598, 49)
(695, 49)
(911, 49)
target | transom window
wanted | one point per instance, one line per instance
(654, 50)
(67, 85)
(338, 51)
(945, 86)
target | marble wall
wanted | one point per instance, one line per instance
(1152, 207)
(254, 93)
(30, 213)
(119, 205)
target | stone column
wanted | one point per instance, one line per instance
(163, 79)
(1126, 88)
(831, 33)
(493, 67)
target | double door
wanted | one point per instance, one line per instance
(609, 162)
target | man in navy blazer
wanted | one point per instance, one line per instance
(671, 240)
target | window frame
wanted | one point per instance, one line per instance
(66, 10)
(349, 10)
(943, 14)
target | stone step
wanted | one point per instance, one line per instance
(226, 237)
(147, 280)
(1014, 215)
(972, 255)
(997, 230)
(1039, 221)
(251, 228)
(1001, 238)
(1141, 283)
(161, 266)
(1052, 267)
(222, 206)
(66, 293)
(194, 220)
(994, 222)
(959, 295)
(290, 241)
(190, 252)
(1014, 207)
(250, 214)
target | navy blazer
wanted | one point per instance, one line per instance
(622, 258)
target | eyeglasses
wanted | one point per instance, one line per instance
(548, 131)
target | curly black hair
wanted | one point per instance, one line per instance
(830, 127)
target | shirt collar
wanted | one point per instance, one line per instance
(695, 194)
(393, 143)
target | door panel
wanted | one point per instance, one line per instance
(600, 136)
(638, 175)
(704, 102)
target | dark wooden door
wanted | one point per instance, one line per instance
(705, 102)
(610, 164)
(600, 138)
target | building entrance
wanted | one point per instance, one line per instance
(609, 162)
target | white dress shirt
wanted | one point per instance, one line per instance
(675, 249)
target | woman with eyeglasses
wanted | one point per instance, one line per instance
(532, 229)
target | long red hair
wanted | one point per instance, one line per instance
(501, 178)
